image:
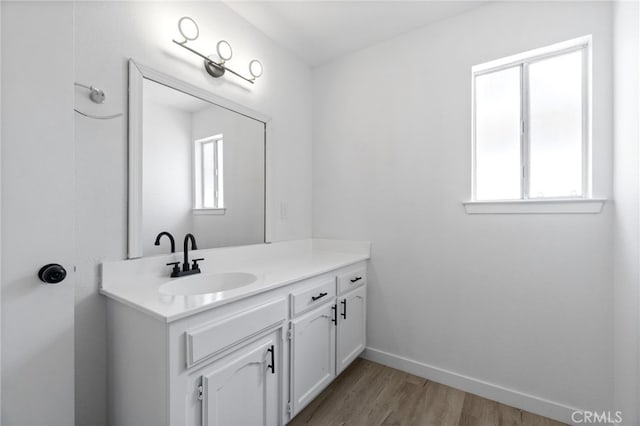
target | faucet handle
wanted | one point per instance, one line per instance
(176, 269)
(195, 263)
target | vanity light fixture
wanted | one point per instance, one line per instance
(224, 50)
(216, 68)
(255, 68)
(188, 29)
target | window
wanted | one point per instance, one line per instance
(208, 173)
(531, 125)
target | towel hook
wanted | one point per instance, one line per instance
(97, 96)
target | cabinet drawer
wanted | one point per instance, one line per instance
(312, 295)
(214, 338)
(352, 278)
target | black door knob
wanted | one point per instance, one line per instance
(52, 273)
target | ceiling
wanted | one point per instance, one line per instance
(320, 31)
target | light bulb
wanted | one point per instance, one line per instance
(188, 28)
(255, 68)
(224, 50)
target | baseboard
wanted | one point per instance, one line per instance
(523, 401)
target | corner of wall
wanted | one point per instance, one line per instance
(626, 226)
(0, 214)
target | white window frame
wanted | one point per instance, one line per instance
(527, 204)
(198, 175)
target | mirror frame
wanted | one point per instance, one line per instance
(137, 74)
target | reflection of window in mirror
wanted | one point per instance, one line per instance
(208, 173)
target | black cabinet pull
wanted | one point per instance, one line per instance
(320, 296)
(334, 308)
(356, 279)
(344, 309)
(273, 360)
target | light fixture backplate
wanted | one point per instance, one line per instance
(214, 70)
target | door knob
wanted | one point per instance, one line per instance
(52, 273)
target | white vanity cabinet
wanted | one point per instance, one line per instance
(313, 354)
(327, 339)
(223, 366)
(352, 318)
(242, 388)
(256, 360)
(351, 327)
(313, 342)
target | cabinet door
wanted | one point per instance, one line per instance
(313, 355)
(243, 388)
(352, 326)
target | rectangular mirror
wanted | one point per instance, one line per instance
(196, 165)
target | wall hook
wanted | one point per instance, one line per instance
(97, 96)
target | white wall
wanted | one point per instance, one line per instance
(106, 35)
(166, 175)
(517, 303)
(243, 166)
(0, 213)
(626, 37)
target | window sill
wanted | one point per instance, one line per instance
(209, 211)
(558, 206)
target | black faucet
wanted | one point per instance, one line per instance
(194, 246)
(173, 242)
(186, 268)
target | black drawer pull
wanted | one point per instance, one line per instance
(273, 360)
(356, 279)
(320, 296)
(334, 308)
(344, 309)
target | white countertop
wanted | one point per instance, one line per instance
(136, 282)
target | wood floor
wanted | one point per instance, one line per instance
(371, 394)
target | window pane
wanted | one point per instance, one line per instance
(498, 135)
(197, 174)
(207, 174)
(220, 158)
(555, 132)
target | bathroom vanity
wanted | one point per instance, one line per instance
(262, 329)
(290, 318)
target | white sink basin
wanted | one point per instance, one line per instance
(209, 283)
